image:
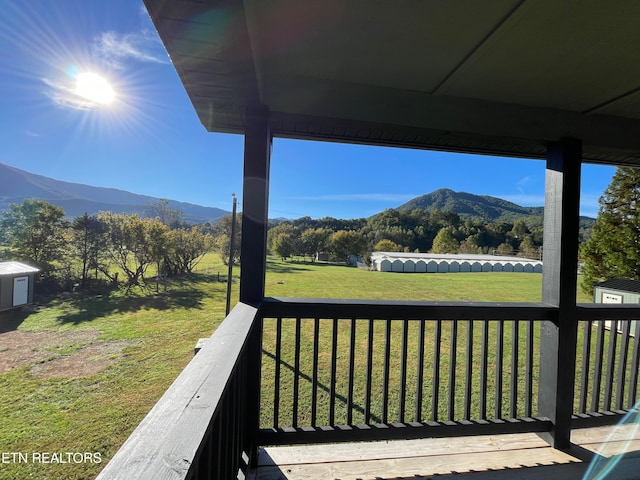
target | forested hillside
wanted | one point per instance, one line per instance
(442, 221)
(478, 207)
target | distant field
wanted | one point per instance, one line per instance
(336, 281)
(78, 374)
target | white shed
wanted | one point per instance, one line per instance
(16, 284)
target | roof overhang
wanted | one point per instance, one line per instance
(16, 268)
(503, 77)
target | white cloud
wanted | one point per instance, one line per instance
(523, 181)
(359, 197)
(117, 48)
(114, 50)
(64, 95)
(523, 199)
(589, 205)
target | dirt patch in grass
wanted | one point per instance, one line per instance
(58, 354)
(86, 361)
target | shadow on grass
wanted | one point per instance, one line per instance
(294, 266)
(341, 398)
(285, 267)
(181, 293)
(12, 319)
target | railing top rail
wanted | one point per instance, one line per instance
(607, 311)
(166, 442)
(412, 310)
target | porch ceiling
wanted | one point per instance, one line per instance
(502, 77)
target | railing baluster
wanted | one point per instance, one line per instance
(234, 400)
(314, 380)
(208, 454)
(468, 371)
(352, 359)
(367, 408)
(296, 375)
(622, 364)
(276, 386)
(334, 359)
(635, 364)
(385, 371)
(437, 347)
(597, 373)
(611, 355)
(499, 366)
(218, 445)
(484, 353)
(452, 368)
(242, 417)
(586, 360)
(528, 389)
(230, 438)
(515, 350)
(420, 372)
(229, 429)
(226, 470)
(403, 370)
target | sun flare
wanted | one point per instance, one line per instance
(95, 88)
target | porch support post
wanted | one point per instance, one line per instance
(255, 199)
(559, 282)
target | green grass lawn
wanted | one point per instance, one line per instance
(97, 413)
(336, 281)
(157, 332)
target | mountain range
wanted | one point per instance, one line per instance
(76, 199)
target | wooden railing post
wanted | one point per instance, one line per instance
(559, 281)
(255, 200)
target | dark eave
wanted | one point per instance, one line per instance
(503, 77)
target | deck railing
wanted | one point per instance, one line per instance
(353, 370)
(608, 360)
(350, 370)
(199, 428)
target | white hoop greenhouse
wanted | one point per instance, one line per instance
(445, 263)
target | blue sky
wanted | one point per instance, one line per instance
(150, 141)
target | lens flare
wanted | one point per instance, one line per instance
(613, 450)
(95, 88)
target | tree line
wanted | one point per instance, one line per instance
(93, 247)
(89, 246)
(103, 246)
(393, 230)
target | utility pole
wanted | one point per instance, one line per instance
(231, 251)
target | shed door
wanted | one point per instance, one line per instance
(20, 291)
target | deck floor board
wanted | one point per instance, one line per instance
(513, 456)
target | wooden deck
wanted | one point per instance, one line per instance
(514, 456)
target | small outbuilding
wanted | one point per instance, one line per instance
(616, 291)
(16, 284)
